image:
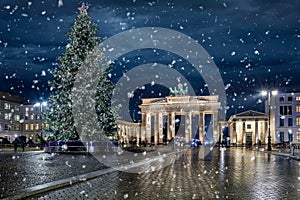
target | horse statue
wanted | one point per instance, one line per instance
(179, 91)
(174, 91)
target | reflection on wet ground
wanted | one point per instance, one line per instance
(232, 173)
(26, 169)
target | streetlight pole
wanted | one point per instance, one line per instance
(269, 93)
(269, 119)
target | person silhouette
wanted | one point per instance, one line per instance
(23, 145)
(15, 142)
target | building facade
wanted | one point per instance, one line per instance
(164, 119)
(11, 113)
(129, 131)
(247, 128)
(285, 117)
(18, 117)
(32, 121)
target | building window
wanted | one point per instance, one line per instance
(290, 121)
(297, 108)
(290, 110)
(290, 98)
(281, 121)
(281, 110)
(297, 98)
(285, 110)
(248, 126)
(31, 127)
(298, 136)
(7, 127)
(17, 118)
(26, 127)
(7, 116)
(17, 108)
(17, 127)
(298, 121)
(6, 106)
(281, 136)
(36, 126)
(290, 137)
(281, 99)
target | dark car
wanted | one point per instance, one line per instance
(282, 145)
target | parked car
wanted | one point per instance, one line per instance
(282, 145)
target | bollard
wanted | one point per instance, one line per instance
(292, 150)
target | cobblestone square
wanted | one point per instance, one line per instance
(232, 173)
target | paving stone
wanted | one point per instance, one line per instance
(26, 169)
(231, 174)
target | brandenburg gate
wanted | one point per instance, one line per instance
(185, 117)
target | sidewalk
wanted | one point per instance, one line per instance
(295, 157)
(29, 192)
(281, 152)
(286, 153)
(11, 149)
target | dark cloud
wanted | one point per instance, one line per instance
(253, 42)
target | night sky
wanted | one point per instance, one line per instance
(255, 44)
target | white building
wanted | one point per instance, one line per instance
(247, 128)
(285, 117)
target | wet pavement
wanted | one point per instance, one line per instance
(232, 173)
(30, 168)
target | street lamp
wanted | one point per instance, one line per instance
(40, 104)
(269, 94)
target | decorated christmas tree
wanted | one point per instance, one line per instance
(82, 41)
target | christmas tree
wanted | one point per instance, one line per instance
(82, 40)
(106, 114)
